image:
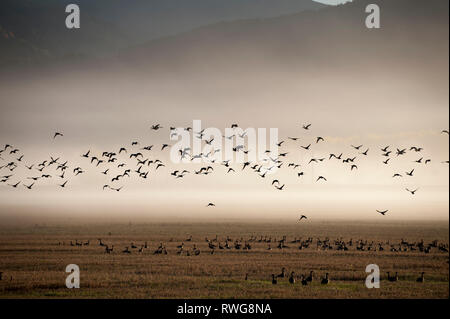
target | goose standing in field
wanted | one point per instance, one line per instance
(109, 250)
(274, 280)
(292, 278)
(283, 273)
(310, 278)
(326, 280)
(421, 278)
(392, 278)
(304, 281)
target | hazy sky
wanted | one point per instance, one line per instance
(106, 114)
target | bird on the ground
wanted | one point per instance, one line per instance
(421, 278)
(326, 280)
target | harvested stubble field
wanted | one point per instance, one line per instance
(33, 261)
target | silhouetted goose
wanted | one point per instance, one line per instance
(246, 276)
(325, 281)
(412, 192)
(283, 273)
(29, 186)
(274, 280)
(292, 278)
(126, 251)
(306, 147)
(14, 185)
(307, 126)
(392, 278)
(302, 217)
(156, 127)
(382, 212)
(304, 281)
(57, 134)
(109, 250)
(310, 278)
(421, 278)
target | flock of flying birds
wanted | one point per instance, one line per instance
(109, 162)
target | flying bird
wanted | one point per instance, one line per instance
(156, 127)
(410, 173)
(306, 147)
(412, 192)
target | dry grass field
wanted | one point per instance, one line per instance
(33, 261)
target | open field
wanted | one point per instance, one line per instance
(33, 261)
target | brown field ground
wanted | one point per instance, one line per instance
(33, 261)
